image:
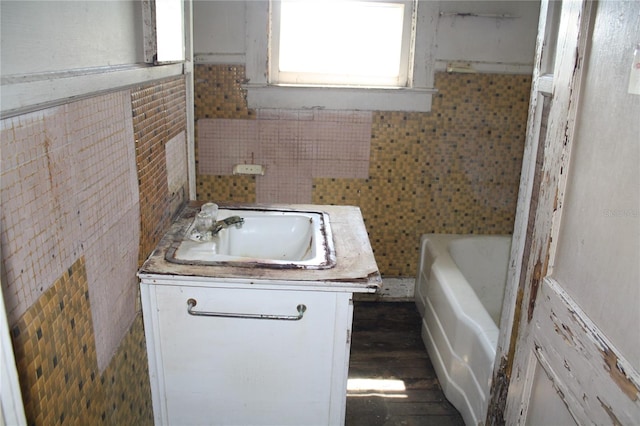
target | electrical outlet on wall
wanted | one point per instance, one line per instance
(248, 169)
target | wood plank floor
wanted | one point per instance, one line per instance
(400, 386)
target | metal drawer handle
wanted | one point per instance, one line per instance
(191, 303)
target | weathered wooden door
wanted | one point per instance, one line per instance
(569, 349)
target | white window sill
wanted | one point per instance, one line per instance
(339, 98)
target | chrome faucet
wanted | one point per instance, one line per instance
(225, 223)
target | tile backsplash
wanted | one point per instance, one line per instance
(294, 146)
(455, 169)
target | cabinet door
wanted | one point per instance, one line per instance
(253, 371)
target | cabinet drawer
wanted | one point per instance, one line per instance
(237, 370)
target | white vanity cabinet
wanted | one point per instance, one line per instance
(244, 369)
(254, 343)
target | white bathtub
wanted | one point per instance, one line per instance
(459, 291)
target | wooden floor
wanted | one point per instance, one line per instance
(400, 386)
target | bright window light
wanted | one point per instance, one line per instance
(385, 388)
(169, 30)
(341, 42)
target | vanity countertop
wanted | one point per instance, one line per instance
(355, 271)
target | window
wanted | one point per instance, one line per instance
(169, 30)
(387, 66)
(163, 31)
(352, 43)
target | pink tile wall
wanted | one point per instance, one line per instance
(294, 146)
(176, 160)
(68, 188)
(30, 233)
(225, 142)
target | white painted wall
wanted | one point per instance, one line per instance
(482, 37)
(219, 32)
(219, 27)
(43, 36)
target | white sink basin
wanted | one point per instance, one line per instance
(269, 238)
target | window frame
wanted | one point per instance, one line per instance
(279, 77)
(415, 97)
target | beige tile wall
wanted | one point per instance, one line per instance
(58, 367)
(453, 170)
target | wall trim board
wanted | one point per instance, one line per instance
(486, 67)
(29, 92)
(441, 65)
(220, 58)
(394, 289)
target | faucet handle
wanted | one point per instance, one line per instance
(211, 208)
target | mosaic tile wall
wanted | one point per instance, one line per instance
(218, 95)
(58, 368)
(159, 114)
(54, 331)
(453, 170)
(69, 188)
